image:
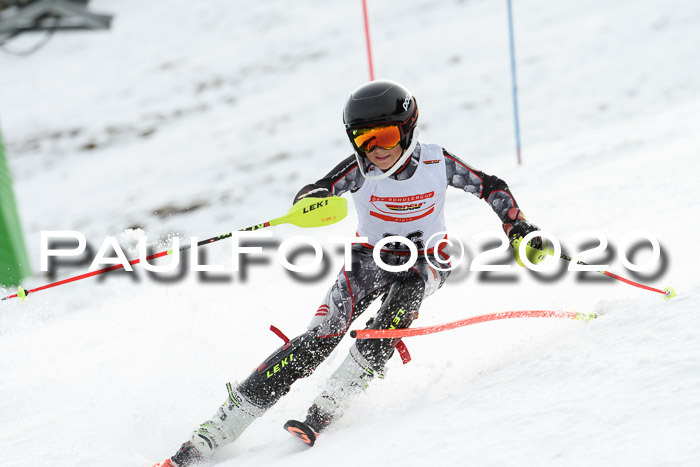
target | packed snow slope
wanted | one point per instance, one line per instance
(199, 118)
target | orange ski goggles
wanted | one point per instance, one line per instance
(366, 139)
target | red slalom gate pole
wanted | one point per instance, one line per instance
(369, 43)
(396, 333)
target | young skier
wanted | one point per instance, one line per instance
(398, 185)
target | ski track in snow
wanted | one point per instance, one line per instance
(215, 113)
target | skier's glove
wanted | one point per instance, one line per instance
(536, 251)
(312, 191)
(520, 229)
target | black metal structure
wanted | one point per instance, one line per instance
(20, 16)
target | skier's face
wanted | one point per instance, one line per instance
(384, 158)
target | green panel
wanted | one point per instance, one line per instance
(14, 262)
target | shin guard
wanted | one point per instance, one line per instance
(295, 359)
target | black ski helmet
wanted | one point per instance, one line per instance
(378, 103)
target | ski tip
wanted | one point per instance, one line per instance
(166, 463)
(302, 431)
(669, 293)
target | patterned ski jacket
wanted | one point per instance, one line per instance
(413, 207)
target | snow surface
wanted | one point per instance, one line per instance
(198, 118)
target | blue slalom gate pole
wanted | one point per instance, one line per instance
(515, 82)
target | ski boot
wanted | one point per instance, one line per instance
(185, 457)
(350, 378)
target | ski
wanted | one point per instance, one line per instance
(302, 431)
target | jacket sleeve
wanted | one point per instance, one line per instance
(490, 188)
(344, 177)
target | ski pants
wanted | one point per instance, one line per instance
(355, 288)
